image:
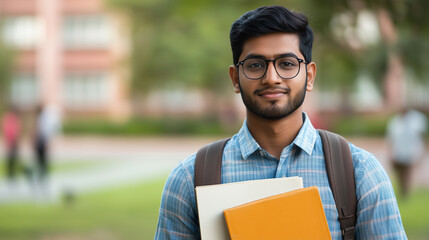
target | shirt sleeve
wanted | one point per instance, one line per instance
(378, 214)
(178, 214)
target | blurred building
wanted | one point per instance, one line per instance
(70, 53)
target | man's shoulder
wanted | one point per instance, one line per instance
(363, 159)
(186, 165)
(360, 154)
(357, 152)
(367, 167)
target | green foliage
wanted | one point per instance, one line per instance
(153, 126)
(410, 21)
(346, 125)
(6, 63)
(340, 64)
(350, 125)
(337, 70)
(414, 48)
(360, 125)
(179, 42)
(185, 42)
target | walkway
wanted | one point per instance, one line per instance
(116, 161)
(111, 161)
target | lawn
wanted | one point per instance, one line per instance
(131, 212)
(62, 166)
(122, 213)
(415, 214)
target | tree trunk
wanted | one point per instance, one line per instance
(394, 81)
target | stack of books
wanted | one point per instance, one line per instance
(277, 208)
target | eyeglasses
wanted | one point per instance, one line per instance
(287, 67)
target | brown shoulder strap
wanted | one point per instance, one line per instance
(208, 163)
(339, 166)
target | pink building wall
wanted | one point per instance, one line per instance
(50, 61)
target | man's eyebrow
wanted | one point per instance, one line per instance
(255, 56)
(275, 56)
(287, 55)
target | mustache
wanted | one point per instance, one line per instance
(259, 91)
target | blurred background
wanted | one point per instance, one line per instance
(102, 98)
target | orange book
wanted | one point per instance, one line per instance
(292, 215)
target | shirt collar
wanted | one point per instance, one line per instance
(305, 139)
(307, 136)
(247, 143)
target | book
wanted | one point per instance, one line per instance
(293, 215)
(212, 200)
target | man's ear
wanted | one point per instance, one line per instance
(233, 74)
(311, 75)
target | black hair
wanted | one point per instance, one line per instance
(271, 19)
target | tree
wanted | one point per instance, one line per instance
(185, 42)
(6, 66)
(182, 44)
(404, 40)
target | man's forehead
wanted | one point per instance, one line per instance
(271, 45)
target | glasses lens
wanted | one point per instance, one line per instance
(254, 67)
(287, 67)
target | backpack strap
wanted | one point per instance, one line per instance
(208, 163)
(339, 166)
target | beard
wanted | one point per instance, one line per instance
(274, 111)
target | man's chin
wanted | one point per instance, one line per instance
(271, 113)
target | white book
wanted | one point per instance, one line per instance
(213, 199)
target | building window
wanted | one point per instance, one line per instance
(85, 90)
(24, 89)
(86, 32)
(21, 32)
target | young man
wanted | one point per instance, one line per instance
(273, 71)
(406, 137)
(11, 129)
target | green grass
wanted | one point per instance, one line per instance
(68, 166)
(122, 213)
(415, 214)
(131, 212)
(76, 165)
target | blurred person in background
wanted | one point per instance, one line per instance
(272, 72)
(48, 123)
(11, 130)
(406, 138)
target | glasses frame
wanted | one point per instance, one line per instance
(267, 61)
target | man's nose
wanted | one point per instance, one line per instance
(271, 77)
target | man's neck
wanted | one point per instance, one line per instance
(274, 135)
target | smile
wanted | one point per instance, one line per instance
(272, 93)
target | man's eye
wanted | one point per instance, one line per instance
(286, 65)
(255, 65)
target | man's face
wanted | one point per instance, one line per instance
(273, 97)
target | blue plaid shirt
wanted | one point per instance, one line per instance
(378, 215)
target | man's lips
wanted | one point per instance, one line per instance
(272, 92)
